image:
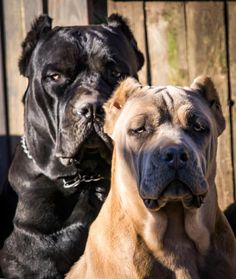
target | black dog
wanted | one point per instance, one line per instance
(61, 171)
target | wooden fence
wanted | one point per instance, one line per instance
(180, 40)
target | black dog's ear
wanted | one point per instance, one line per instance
(116, 20)
(40, 26)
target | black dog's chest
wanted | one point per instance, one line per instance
(51, 210)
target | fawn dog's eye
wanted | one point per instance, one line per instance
(199, 126)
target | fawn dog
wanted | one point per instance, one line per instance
(161, 218)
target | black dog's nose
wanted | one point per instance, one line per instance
(85, 110)
(176, 156)
(91, 110)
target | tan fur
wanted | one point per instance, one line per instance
(128, 241)
(115, 104)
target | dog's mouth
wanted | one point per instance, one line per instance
(91, 146)
(95, 144)
(92, 161)
(176, 191)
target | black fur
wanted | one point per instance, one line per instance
(72, 71)
(42, 24)
(230, 214)
(8, 200)
(116, 20)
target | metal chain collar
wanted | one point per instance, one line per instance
(25, 148)
(74, 182)
(67, 182)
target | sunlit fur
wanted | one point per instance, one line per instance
(129, 241)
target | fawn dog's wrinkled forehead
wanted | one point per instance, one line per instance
(132, 102)
(167, 104)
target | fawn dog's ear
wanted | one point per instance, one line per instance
(114, 105)
(40, 26)
(205, 86)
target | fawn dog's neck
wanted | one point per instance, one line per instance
(136, 233)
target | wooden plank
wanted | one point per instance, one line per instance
(18, 15)
(2, 98)
(65, 13)
(4, 152)
(207, 55)
(133, 12)
(167, 42)
(232, 57)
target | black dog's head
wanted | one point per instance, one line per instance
(72, 71)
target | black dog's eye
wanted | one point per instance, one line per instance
(55, 77)
(116, 74)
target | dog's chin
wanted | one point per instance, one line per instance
(91, 140)
(92, 157)
(176, 191)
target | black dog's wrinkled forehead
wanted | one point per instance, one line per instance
(97, 45)
(85, 46)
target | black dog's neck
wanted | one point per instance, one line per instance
(31, 185)
(68, 182)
